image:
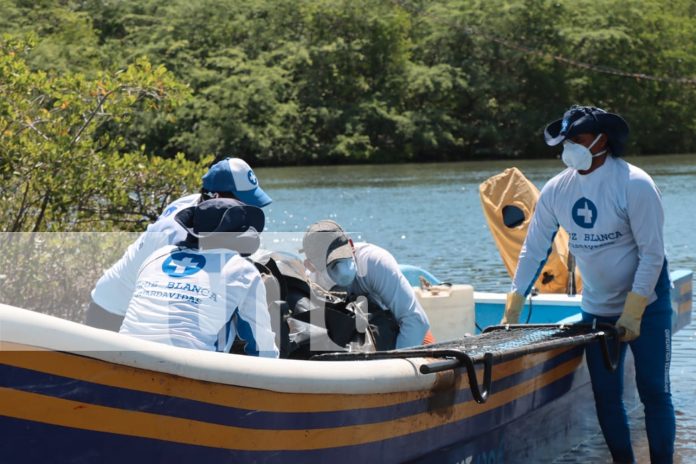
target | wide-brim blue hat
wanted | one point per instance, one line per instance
(220, 215)
(234, 175)
(223, 223)
(588, 119)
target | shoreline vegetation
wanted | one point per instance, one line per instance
(111, 109)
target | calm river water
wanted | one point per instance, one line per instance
(429, 215)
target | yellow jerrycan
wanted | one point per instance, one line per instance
(508, 200)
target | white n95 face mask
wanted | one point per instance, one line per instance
(342, 272)
(578, 156)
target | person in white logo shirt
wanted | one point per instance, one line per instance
(613, 214)
(228, 178)
(201, 293)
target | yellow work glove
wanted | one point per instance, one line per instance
(513, 308)
(631, 316)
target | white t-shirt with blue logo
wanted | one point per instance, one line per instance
(614, 219)
(380, 279)
(114, 289)
(200, 299)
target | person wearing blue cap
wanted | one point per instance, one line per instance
(613, 214)
(201, 293)
(228, 178)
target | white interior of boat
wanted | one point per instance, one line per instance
(21, 328)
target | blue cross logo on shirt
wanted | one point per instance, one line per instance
(182, 264)
(584, 213)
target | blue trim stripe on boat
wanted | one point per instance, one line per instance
(43, 442)
(122, 398)
(89, 369)
(69, 413)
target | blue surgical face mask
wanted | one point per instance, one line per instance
(578, 156)
(342, 271)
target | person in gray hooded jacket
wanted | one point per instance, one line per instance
(365, 269)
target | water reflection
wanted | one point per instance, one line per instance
(430, 215)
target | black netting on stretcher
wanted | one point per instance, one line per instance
(495, 345)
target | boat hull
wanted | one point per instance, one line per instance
(68, 407)
(70, 393)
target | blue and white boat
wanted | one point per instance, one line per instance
(72, 393)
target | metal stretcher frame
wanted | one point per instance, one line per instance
(495, 345)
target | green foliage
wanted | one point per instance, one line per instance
(54, 273)
(63, 166)
(323, 81)
(109, 109)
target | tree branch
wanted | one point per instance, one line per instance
(22, 210)
(44, 205)
(31, 126)
(91, 116)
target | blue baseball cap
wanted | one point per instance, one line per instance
(234, 175)
(588, 119)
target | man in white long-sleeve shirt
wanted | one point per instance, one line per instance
(201, 293)
(367, 270)
(613, 213)
(229, 178)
